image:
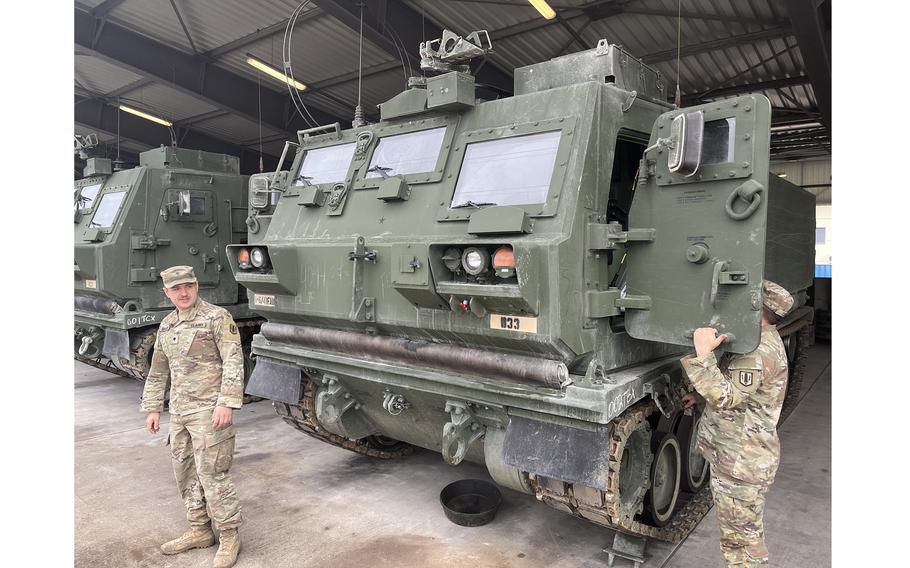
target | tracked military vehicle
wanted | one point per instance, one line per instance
(511, 282)
(178, 206)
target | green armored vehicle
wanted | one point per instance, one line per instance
(511, 282)
(178, 206)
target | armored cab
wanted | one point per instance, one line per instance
(512, 281)
(178, 206)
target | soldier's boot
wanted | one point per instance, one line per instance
(228, 549)
(196, 537)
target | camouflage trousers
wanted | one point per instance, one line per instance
(202, 458)
(740, 508)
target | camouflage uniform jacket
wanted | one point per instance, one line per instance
(199, 351)
(744, 395)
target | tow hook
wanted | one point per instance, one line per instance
(86, 342)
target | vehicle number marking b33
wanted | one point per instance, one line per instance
(264, 300)
(513, 323)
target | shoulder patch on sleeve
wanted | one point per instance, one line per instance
(231, 333)
(745, 372)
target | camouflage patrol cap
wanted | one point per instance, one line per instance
(776, 298)
(178, 275)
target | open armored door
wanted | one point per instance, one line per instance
(188, 215)
(704, 265)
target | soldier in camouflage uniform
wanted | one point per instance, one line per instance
(738, 432)
(198, 350)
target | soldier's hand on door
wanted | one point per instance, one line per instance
(706, 340)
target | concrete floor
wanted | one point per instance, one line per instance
(308, 504)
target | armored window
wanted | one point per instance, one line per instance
(507, 171)
(325, 165)
(719, 136)
(192, 203)
(411, 153)
(86, 196)
(107, 209)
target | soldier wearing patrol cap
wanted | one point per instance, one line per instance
(738, 431)
(198, 349)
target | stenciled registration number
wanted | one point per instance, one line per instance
(513, 323)
(263, 300)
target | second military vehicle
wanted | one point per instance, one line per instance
(178, 206)
(512, 281)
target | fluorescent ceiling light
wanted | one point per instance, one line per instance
(273, 72)
(145, 115)
(545, 10)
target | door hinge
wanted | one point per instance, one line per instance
(606, 303)
(363, 308)
(604, 236)
(147, 242)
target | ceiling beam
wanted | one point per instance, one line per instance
(96, 129)
(576, 36)
(688, 15)
(751, 68)
(186, 31)
(190, 120)
(717, 44)
(811, 21)
(352, 75)
(188, 74)
(603, 9)
(134, 86)
(696, 98)
(383, 19)
(102, 10)
(565, 16)
(263, 33)
(96, 114)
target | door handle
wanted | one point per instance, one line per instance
(719, 266)
(721, 276)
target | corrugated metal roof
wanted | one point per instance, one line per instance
(321, 49)
(111, 140)
(805, 172)
(155, 20)
(643, 35)
(166, 102)
(376, 89)
(100, 76)
(325, 49)
(90, 3)
(234, 128)
(214, 23)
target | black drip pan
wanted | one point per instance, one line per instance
(470, 502)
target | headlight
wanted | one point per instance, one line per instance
(475, 260)
(243, 259)
(452, 259)
(258, 257)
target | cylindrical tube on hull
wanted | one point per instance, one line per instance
(448, 357)
(95, 304)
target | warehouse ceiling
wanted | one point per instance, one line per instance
(186, 61)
